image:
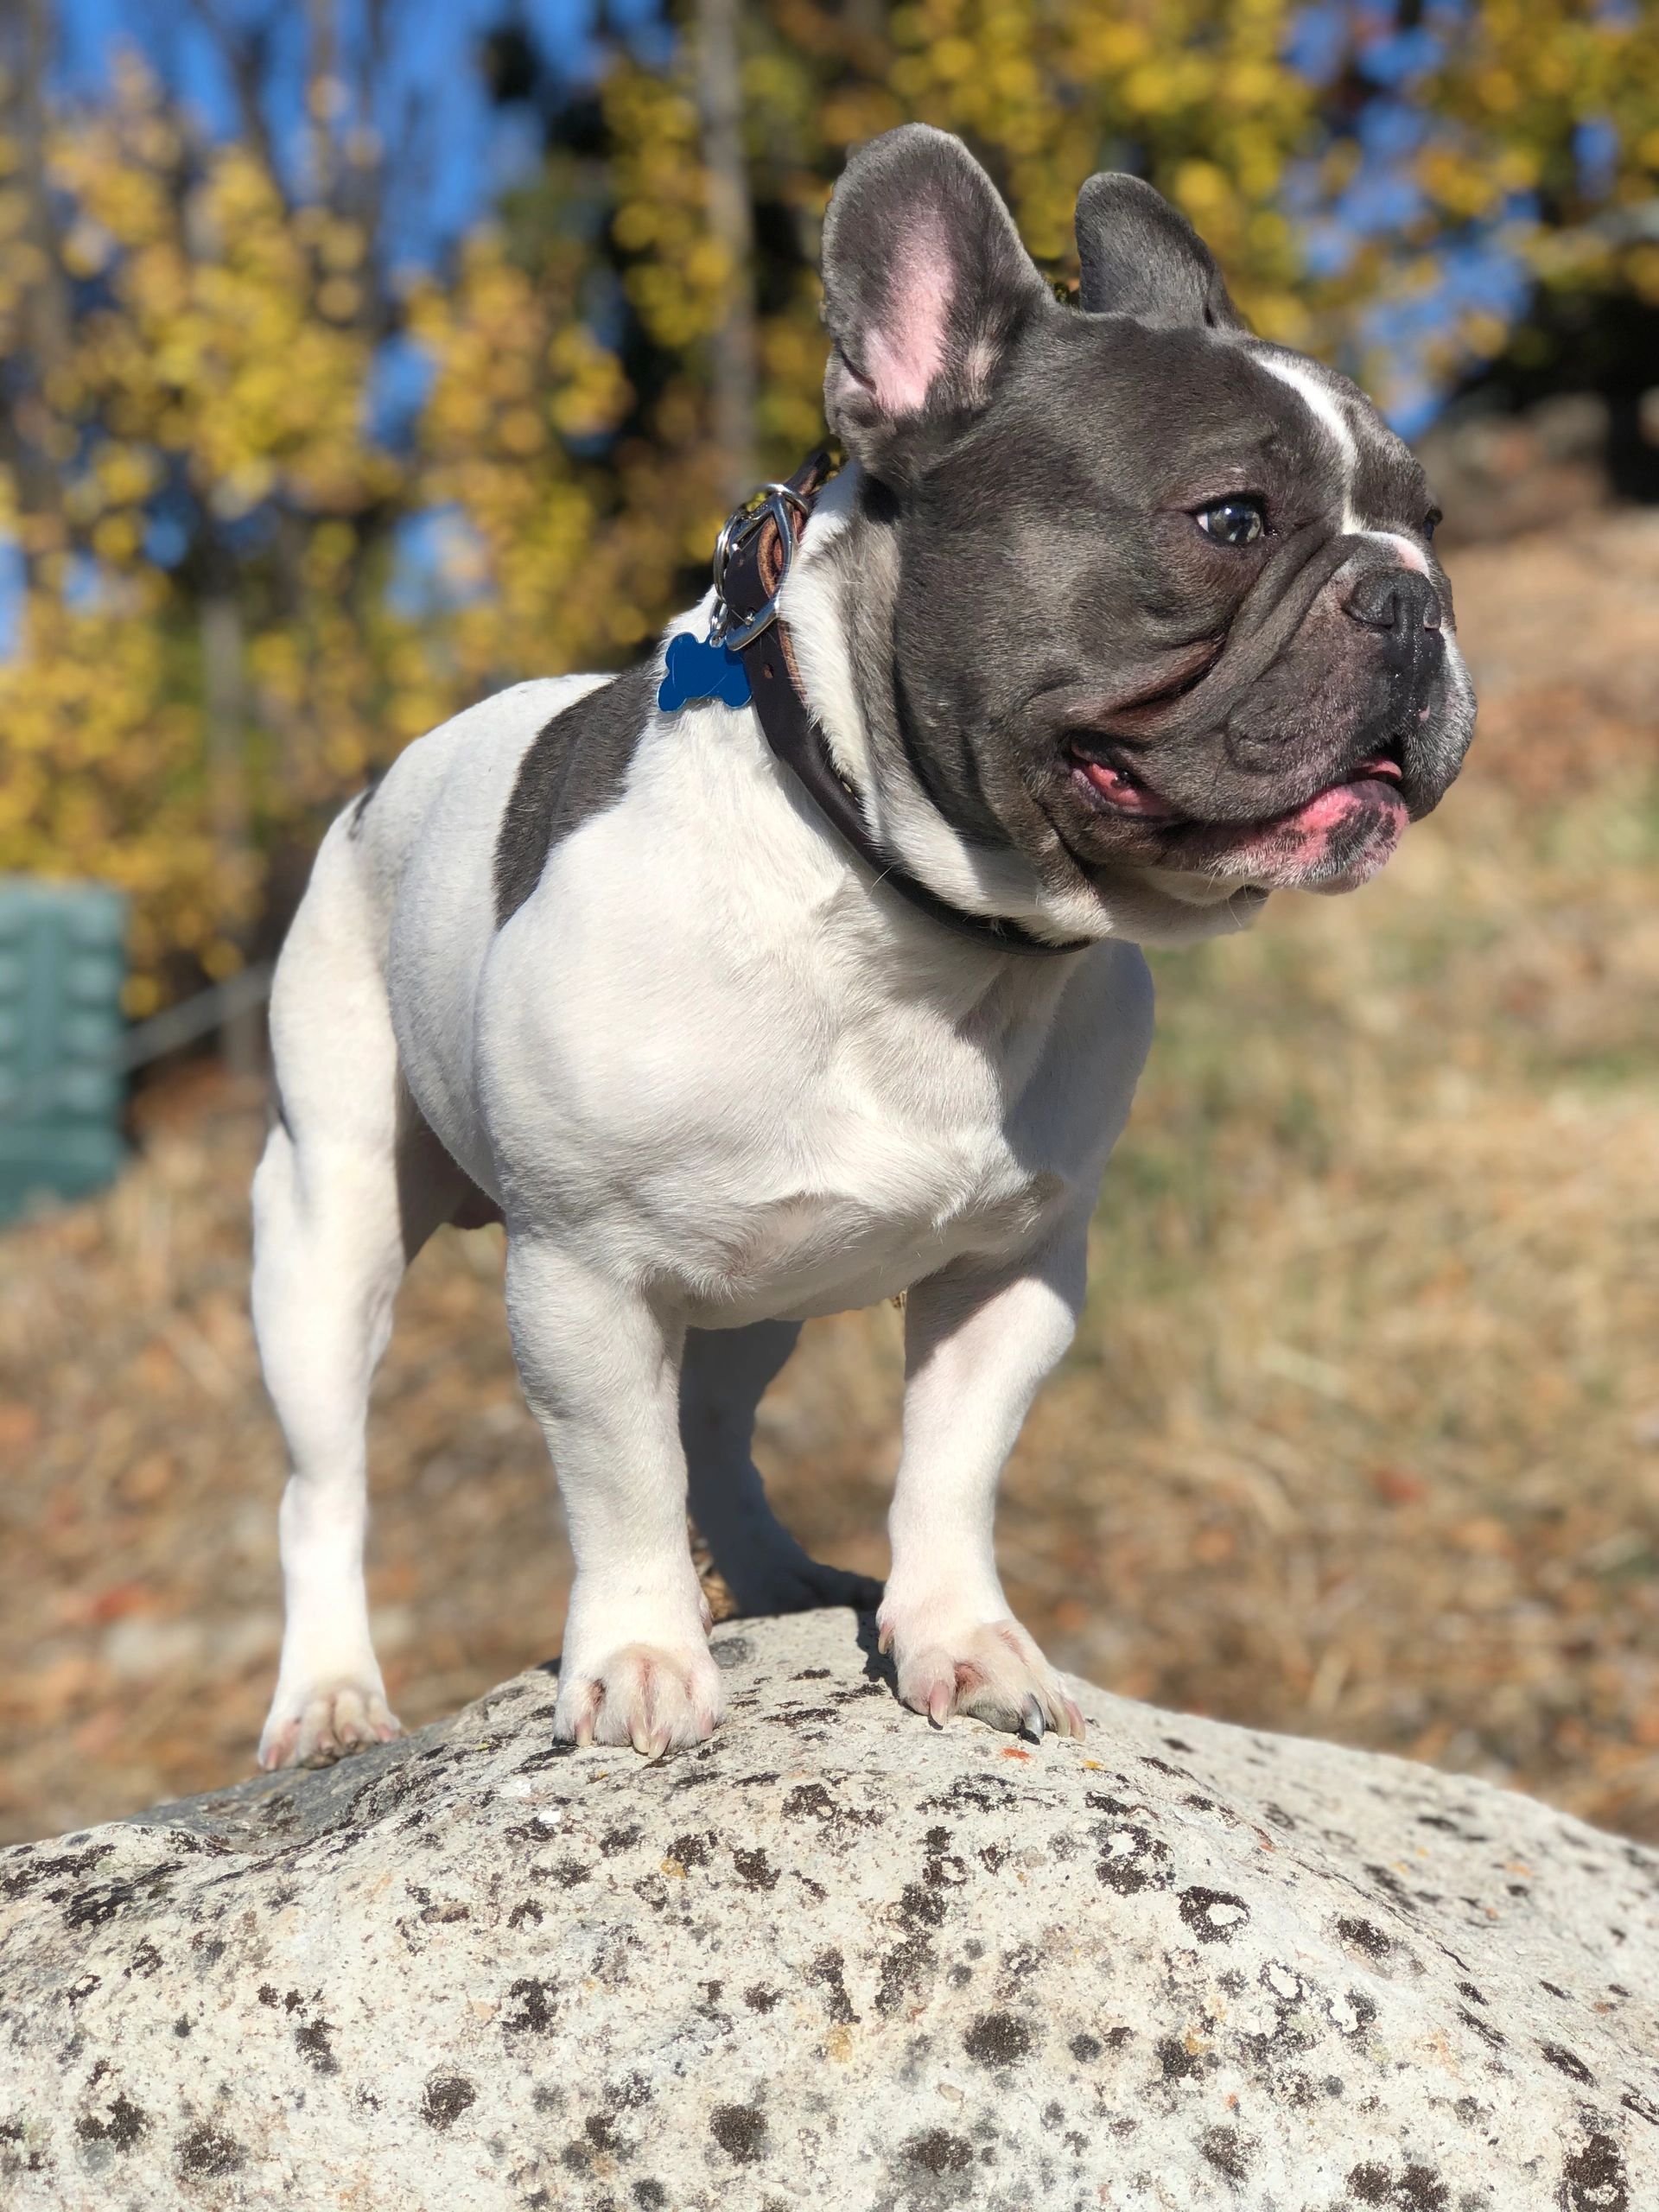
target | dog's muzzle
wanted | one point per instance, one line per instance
(1400, 608)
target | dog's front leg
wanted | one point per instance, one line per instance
(977, 1343)
(600, 1368)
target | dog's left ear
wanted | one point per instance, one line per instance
(926, 281)
(1140, 256)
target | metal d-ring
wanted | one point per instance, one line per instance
(773, 500)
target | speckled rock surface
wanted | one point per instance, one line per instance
(834, 1959)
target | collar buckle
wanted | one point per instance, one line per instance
(772, 503)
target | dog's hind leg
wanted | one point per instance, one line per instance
(350, 1185)
(724, 1376)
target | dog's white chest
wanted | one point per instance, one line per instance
(789, 1151)
(895, 1155)
(694, 1058)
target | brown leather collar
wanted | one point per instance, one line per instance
(749, 573)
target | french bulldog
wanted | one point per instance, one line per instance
(1116, 619)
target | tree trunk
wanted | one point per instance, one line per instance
(731, 218)
(224, 705)
(322, 92)
(25, 418)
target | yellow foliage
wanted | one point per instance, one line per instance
(102, 776)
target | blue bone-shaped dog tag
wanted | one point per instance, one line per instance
(696, 669)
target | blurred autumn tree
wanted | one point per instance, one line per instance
(246, 581)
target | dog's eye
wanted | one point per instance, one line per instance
(1234, 522)
(1432, 522)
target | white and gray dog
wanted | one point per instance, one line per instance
(800, 966)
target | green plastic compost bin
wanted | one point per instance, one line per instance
(62, 960)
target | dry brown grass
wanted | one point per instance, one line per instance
(1361, 1435)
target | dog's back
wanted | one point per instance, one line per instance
(437, 810)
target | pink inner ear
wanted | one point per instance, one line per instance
(906, 352)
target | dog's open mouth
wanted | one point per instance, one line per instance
(1338, 838)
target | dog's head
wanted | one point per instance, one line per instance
(1158, 606)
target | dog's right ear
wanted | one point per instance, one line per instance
(925, 282)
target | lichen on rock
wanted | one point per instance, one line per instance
(834, 1957)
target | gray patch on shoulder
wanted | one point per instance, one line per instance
(361, 805)
(574, 768)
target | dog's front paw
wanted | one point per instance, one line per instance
(989, 1668)
(658, 1697)
(317, 1723)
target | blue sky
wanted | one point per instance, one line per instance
(464, 153)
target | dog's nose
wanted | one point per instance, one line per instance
(1393, 599)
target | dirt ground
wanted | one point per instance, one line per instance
(1360, 1436)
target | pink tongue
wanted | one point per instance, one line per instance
(1326, 809)
(1302, 836)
